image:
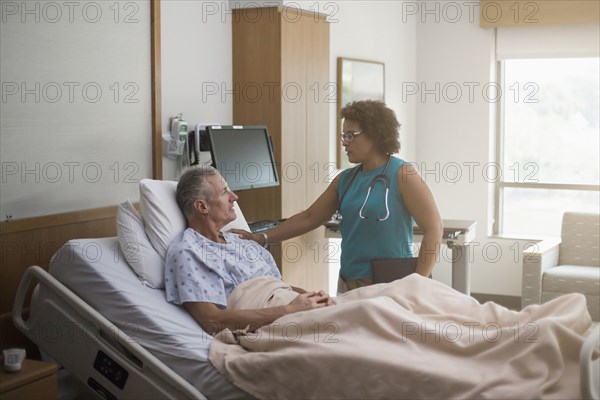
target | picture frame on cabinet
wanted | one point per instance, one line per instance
(357, 79)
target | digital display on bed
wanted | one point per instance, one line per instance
(110, 369)
(243, 155)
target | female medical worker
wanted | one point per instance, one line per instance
(375, 201)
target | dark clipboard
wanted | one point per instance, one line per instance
(390, 269)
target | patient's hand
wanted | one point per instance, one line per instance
(329, 301)
(311, 300)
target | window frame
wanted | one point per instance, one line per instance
(501, 184)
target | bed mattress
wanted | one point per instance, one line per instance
(96, 271)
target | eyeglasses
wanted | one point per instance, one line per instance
(349, 136)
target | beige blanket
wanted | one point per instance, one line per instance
(413, 338)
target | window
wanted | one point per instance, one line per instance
(548, 144)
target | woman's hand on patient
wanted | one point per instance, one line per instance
(311, 300)
(248, 235)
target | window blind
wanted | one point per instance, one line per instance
(538, 12)
(548, 41)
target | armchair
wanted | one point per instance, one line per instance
(552, 268)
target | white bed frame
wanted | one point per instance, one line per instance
(62, 321)
(99, 354)
(590, 367)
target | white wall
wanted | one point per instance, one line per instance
(371, 31)
(420, 45)
(417, 47)
(196, 64)
(455, 134)
(75, 118)
(196, 53)
(196, 58)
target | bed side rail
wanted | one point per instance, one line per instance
(92, 348)
(590, 366)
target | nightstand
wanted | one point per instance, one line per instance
(35, 380)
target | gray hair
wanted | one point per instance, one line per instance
(193, 185)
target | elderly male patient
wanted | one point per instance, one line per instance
(206, 264)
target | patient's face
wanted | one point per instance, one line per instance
(221, 209)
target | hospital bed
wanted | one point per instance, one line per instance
(118, 336)
(94, 316)
(123, 340)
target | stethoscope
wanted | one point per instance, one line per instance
(337, 216)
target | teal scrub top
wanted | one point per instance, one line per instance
(366, 239)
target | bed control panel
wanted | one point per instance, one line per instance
(110, 369)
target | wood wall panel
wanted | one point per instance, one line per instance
(157, 165)
(319, 170)
(33, 241)
(256, 79)
(273, 50)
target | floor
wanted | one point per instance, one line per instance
(510, 302)
(69, 388)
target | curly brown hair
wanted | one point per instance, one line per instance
(376, 121)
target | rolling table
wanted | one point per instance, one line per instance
(458, 235)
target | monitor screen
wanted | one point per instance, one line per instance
(243, 154)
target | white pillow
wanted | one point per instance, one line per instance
(136, 247)
(162, 217)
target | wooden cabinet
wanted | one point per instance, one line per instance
(281, 79)
(35, 380)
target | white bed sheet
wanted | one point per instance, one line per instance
(95, 269)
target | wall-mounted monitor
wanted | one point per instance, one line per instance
(243, 154)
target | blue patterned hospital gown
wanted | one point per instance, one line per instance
(200, 270)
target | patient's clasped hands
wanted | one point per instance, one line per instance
(310, 300)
